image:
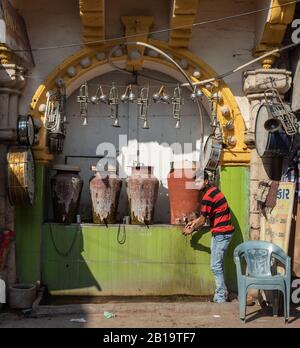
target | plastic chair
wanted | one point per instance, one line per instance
(262, 259)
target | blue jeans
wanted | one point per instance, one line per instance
(219, 245)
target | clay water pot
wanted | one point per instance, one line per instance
(66, 187)
(142, 191)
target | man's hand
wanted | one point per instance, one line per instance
(193, 225)
(189, 228)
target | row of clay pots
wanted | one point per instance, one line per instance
(142, 191)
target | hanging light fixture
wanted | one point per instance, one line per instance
(156, 97)
(114, 105)
(214, 99)
(52, 114)
(83, 100)
(196, 94)
(124, 97)
(94, 99)
(102, 96)
(177, 101)
(128, 95)
(99, 96)
(131, 96)
(143, 104)
(161, 96)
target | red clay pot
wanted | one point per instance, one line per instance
(184, 201)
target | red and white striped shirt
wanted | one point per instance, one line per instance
(214, 205)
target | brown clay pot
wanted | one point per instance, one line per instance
(66, 187)
(105, 193)
(184, 200)
(142, 191)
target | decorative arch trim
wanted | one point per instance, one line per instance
(91, 62)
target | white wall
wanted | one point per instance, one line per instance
(223, 45)
(261, 18)
(49, 23)
(159, 9)
(153, 142)
(54, 22)
(226, 44)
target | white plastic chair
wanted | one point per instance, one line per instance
(259, 255)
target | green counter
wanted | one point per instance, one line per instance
(125, 260)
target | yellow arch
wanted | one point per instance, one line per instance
(88, 59)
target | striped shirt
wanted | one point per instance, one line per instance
(214, 205)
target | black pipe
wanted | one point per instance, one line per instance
(81, 156)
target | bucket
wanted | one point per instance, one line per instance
(22, 296)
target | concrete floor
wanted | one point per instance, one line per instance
(149, 314)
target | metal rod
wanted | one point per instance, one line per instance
(220, 77)
(80, 156)
(189, 83)
(138, 43)
(168, 58)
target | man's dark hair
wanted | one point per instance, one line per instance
(206, 177)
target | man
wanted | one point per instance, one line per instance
(215, 207)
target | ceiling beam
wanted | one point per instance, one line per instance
(183, 14)
(92, 13)
(136, 29)
(279, 17)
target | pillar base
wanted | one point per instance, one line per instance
(255, 84)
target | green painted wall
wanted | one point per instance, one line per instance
(134, 260)
(235, 186)
(29, 220)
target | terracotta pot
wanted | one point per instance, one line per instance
(105, 193)
(184, 200)
(142, 190)
(66, 187)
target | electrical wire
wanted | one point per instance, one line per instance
(226, 74)
(233, 71)
(165, 82)
(193, 25)
(219, 77)
(59, 252)
(107, 116)
(159, 51)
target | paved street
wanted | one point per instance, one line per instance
(149, 314)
